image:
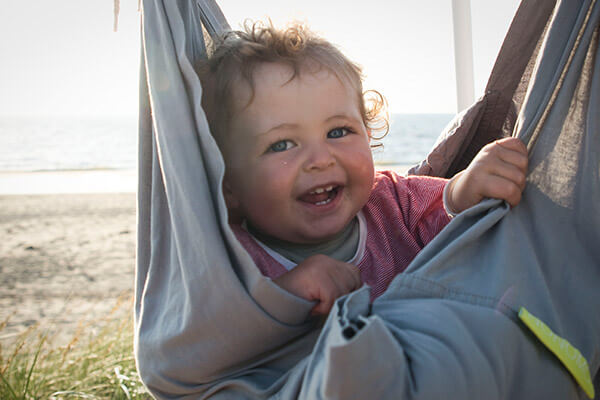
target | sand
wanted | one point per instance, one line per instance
(65, 259)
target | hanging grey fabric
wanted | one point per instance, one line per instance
(501, 304)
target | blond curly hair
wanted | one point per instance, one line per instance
(236, 54)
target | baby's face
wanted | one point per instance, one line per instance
(299, 164)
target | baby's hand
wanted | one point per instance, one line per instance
(320, 278)
(498, 171)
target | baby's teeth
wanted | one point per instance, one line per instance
(321, 190)
(320, 203)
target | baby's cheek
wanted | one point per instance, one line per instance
(362, 163)
(273, 184)
(363, 172)
(269, 203)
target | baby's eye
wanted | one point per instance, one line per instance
(337, 133)
(282, 145)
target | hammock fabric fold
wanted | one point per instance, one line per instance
(208, 324)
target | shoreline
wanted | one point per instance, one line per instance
(91, 181)
(68, 182)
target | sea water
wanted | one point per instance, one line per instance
(67, 143)
(110, 143)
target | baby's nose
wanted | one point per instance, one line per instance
(319, 158)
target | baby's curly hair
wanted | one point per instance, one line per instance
(236, 54)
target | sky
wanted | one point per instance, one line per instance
(61, 57)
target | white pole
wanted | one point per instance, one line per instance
(463, 53)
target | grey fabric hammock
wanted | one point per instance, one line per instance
(208, 324)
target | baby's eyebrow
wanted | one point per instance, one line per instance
(285, 125)
(342, 116)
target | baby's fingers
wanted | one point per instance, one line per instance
(512, 143)
(341, 280)
(346, 278)
(512, 173)
(508, 159)
(500, 187)
(322, 308)
(328, 292)
(513, 151)
(353, 280)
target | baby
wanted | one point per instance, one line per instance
(288, 112)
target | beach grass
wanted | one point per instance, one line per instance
(90, 366)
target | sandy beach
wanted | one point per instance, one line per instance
(65, 259)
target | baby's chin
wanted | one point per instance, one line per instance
(317, 231)
(318, 236)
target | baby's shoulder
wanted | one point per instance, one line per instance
(385, 179)
(394, 187)
(386, 186)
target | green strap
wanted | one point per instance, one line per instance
(566, 353)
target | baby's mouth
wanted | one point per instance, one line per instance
(321, 195)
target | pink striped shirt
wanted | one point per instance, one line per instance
(402, 215)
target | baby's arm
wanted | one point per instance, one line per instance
(320, 278)
(497, 171)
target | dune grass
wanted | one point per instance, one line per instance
(90, 366)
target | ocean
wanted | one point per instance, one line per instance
(87, 144)
(29, 144)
